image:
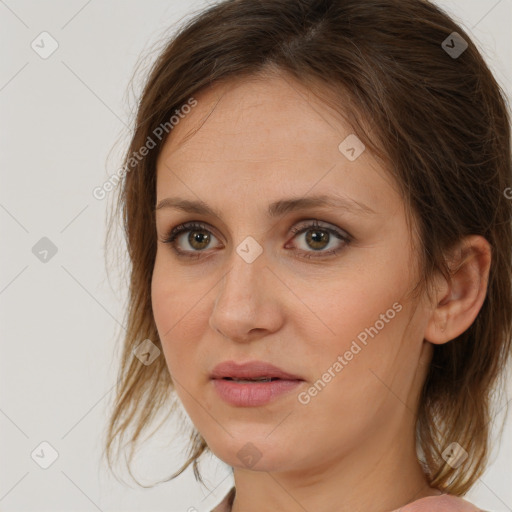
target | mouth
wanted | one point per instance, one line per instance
(253, 371)
(261, 379)
(252, 384)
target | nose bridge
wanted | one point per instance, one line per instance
(246, 268)
(241, 299)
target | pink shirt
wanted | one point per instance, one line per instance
(442, 503)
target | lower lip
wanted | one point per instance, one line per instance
(253, 394)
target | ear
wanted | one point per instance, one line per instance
(459, 301)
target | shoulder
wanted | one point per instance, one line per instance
(442, 503)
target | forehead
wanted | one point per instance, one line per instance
(271, 132)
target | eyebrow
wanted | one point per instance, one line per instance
(275, 209)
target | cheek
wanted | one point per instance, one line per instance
(363, 319)
(172, 296)
(173, 306)
(351, 303)
(369, 360)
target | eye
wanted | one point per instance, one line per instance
(199, 238)
(317, 238)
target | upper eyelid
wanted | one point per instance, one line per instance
(308, 222)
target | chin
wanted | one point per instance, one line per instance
(257, 452)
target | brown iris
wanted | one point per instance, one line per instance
(199, 237)
(317, 237)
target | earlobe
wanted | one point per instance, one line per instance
(460, 300)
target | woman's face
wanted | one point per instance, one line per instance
(331, 312)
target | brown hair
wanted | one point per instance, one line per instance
(440, 121)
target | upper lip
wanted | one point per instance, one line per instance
(250, 370)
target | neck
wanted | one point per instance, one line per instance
(382, 474)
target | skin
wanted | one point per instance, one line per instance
(352, 446)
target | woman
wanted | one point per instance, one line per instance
(319, 233)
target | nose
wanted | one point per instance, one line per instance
(247, 305)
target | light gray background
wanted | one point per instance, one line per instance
(64, 124)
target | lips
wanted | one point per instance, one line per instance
(252, 384)
(256, 371)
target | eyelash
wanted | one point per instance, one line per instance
(171, 237)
